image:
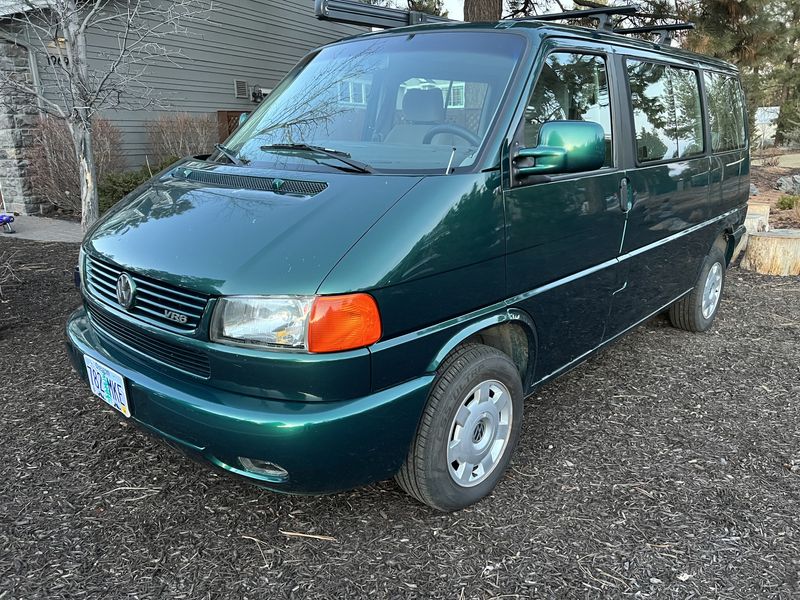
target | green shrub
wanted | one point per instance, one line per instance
(115, 186)
(788, 202)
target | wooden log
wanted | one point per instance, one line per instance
(775, 252)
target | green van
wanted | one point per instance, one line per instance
(413, 232)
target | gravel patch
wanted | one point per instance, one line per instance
(667, 466)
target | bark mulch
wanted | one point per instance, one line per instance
(667, 466)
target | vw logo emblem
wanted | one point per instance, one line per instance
(126, 290)
(477, 435)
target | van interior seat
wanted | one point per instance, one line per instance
(423, 109)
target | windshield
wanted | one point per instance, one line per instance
(422, 102)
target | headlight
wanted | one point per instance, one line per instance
(279, 321)
(313, 323)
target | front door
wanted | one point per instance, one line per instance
(563, 234)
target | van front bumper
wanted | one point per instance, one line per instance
(324, 446)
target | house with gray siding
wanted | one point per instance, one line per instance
(220, 68)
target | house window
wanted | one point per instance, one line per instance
(456, 96)
(353, 92)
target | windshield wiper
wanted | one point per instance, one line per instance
(230, 155)
(342, 157)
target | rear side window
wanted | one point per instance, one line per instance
(572, 87)
(667, 112)
(725, 112)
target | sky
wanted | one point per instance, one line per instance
(455, 8)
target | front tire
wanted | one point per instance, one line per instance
(468, 431)
(696, 311)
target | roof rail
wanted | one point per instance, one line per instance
(664, 31)
(358, 13)
(602, 14)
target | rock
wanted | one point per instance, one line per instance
(753, 190)
(789, 184)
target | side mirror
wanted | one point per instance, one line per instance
(564, 147)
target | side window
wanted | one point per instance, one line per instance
(725, 112)
(571, 86)
(667, 112)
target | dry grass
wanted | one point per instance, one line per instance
(6, 270)
(181, 134)
(54, 168)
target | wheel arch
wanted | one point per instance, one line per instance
(726, 242)
(513, 332)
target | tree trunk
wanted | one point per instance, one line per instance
(80, 121)
(84, 151)
(483, 10)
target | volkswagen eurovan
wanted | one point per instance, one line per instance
(415, 230)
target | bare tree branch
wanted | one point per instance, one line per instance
(75, 88)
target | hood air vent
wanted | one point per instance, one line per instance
(246, 182)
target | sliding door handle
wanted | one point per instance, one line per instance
(625, 195)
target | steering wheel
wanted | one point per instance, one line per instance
(453, 129)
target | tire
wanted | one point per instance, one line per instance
(453, 431)
(696, 311)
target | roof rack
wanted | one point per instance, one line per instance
(358, 13)
(602, 14)
(664, 31)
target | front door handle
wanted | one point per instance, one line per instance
(625, 195)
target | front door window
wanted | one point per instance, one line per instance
(573, 87)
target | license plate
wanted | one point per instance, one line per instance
(107, 384)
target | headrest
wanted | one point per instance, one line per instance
(423, 106)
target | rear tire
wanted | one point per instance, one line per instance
(696, 311)
(468, 430)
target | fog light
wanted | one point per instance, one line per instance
(263, 468)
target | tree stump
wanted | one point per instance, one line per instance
(757, 220)
(758, 216)
(775, 252)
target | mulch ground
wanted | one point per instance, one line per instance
(667, 466)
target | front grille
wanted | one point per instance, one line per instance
(153, 301)
(248, 182)
(185, 358)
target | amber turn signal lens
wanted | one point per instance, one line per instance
(343, 322)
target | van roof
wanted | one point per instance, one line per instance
(538, 29)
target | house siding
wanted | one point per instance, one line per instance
(258, 41)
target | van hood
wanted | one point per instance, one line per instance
(227, 230)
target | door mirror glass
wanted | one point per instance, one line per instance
(564, 147)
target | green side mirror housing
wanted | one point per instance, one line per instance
(564, 147)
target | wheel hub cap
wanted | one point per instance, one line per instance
(479, 433)
(712, 290)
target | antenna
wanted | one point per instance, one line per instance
(602, 14)
(664, 31)
(358, 13)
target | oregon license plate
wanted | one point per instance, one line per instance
(107, 384)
